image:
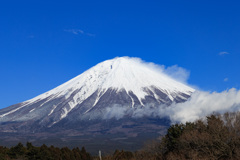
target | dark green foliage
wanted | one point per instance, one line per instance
(77, 153)
(173, 134)
(32, 152)
(18, 151)
(4, 153)
(123, 155)
(218, 137)
(84, 154)
(44, 152)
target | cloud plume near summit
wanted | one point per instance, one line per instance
(178, 73)
(199, 105)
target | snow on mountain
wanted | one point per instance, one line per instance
(124, 81)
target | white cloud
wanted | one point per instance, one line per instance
(79, 31)
(90, 34)
(225, 79)
(202, 104)
(178, 73)
(223, 53)
(74, 31)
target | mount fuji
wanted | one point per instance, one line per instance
(82, 105)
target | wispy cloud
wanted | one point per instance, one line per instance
(225, 79)
(175, 72)
(222, 53)
(79, 32)
(90, 34)
(178, 73)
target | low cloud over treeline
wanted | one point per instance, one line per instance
(200, 104)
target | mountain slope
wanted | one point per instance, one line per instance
(122, 82)
(96, 108)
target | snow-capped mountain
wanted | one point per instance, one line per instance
(86, 109)
(122, 82)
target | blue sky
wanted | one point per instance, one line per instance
(45, 43)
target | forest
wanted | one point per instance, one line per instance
(216, 136)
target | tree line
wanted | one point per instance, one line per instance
(30, 152)
(215, 137)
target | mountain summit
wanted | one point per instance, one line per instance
(97, 109)
(122, 82)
